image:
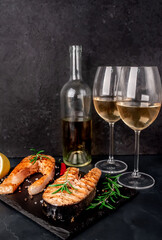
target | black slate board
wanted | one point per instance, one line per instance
(32, 208)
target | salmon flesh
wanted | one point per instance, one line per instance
(63, 205)
(24, 169)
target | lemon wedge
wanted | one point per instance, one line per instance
(4, 165)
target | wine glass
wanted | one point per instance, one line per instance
(104, 99)
(139, 102)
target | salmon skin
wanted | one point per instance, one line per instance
(24, 169)
(65, 206)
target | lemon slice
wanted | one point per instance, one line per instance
(4, 165)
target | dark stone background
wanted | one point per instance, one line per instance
(34, 65)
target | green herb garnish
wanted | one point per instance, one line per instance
(110, 194)
(37, 155)
(63, 186)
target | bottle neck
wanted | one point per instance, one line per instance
(75, 63)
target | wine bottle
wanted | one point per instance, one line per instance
(76, 120)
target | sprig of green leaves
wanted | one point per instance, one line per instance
(37, 155)
(63, 186)
(110, 194)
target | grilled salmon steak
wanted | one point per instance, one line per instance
(81, 191)
(24, 169)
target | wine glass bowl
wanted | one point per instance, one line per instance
(104, 99)
(138, 102)
(138, 116)
(106, 108)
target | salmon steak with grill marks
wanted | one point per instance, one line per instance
(44, 165)
(62, 204)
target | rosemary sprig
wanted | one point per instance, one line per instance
(110, 194)
(63, 186)
(37, 155)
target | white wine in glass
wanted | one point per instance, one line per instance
(106, 108)
(138, 116)
(139, 102)
(104, 99)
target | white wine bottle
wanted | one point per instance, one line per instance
(76, 120)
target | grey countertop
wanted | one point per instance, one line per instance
(139, 219)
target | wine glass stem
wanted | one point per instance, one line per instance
(111, 143)
(136, 155)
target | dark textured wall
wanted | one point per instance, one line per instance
(34, 65)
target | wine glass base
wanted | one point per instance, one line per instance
(142, 181)
(116, 166)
